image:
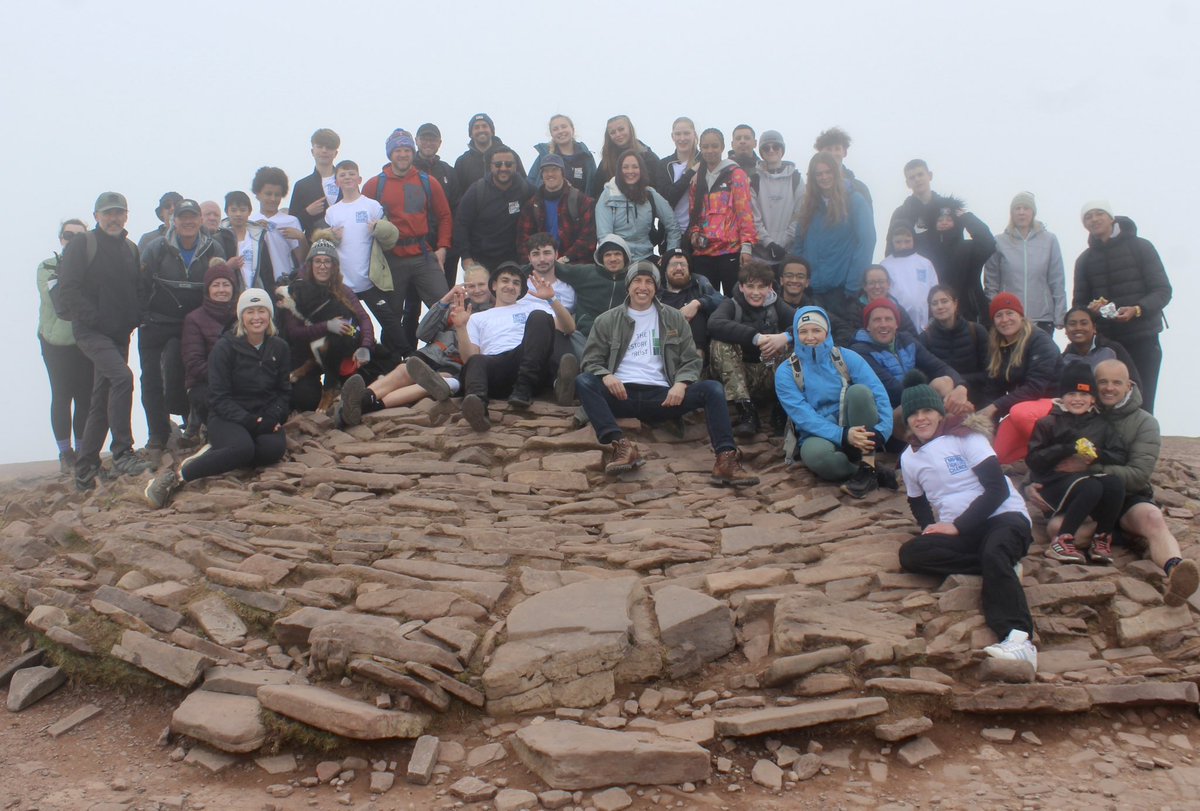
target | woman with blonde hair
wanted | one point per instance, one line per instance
(619, 138)
(581, 166)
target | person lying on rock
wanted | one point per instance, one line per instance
(972, 519)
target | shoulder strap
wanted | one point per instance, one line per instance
(89, 254)
(429, 215)
(797, 371)
(573, 204)
(840, 362)
(380, 182)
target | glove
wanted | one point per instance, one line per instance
(776, 251)
(362, 355)
(336, 325)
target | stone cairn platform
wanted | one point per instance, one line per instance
(391, 580)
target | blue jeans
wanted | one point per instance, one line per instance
(645, 403)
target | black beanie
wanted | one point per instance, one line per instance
(1077, 376)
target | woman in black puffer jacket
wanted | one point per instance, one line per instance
(962, 344)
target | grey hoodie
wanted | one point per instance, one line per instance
(776, 198)
(1031, 268)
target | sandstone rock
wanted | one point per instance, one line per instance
(1050, 595)
(31, 659)
(1011, 671)
(810, 618)
(568, 756)
(212, 650)
(574, 482)
(1147, 694)
(422, 761)
(227, 722)
(65, 725)
(483, 755)
(418, 604)
(430, 570)
(823, 684)
(435, 697)
(999, 734)
(1152, 623)
(176, 665)
(1000, 698)
(612, 799)
(903, 729)
(701, 731)
(909, 686)
(806, 766)
(221, 624)
(472, 789)
(874, 653)
(591, 606)
(916, 752)
(743, 539)
(210, 759)
(381, 782)
(514, 799)
(789, 668)
(778, 719)
(767, 775)
(44, 617)
(62, 636)
(720, 583)
(337, 714)
(32, 684)
(235, 579)
(156, 616)
(454, 687)
(241, 681)
(372, 639)
(689, 617)
(554, 799)
(277, 764)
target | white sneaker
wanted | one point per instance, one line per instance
(1015, 646)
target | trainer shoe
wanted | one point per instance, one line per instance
(625, 457)
(434, 384)
(129, 464)
(564, 384)
(352, 394)
(728, 471)
(1062, 548)
(66, 462)
(1101, 549)
(1015, 646)
(203, 449)
(864, 481)
(475, 412)
(85, 476)
(1182, 583)
(161, 488)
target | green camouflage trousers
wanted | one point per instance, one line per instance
(742, 381)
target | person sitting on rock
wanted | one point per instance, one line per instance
(515, 347)
(598, 288)
(433, 370)
(249, 399)
(1075, 428)
(640, 361)
(972, 520)
(1086, 345)
(837, 407)
(750, 337)
(690, 293)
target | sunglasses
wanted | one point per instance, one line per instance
(503, 164)
(770, 148)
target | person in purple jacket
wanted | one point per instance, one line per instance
(202, 328)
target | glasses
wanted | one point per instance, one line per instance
(771, 148)
(503, 164)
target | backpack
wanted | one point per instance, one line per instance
(791, 443)
(89, 256)
(431, 221)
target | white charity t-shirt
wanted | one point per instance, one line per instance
(329, 185)
(279, 246)
(500, 329)
(913, 276)
(564, 291)
(942, 470)
(354, 251)
(643, 360)
(248, 250)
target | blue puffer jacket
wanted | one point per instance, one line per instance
(815, 411)
(891, 363)
(841, 253)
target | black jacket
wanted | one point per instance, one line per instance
(673, 190)
(964, 348)
(102, 295)
(1054, 438)
(1034, 379)
(1127, 271)
(245, 383)
(266, 273)
(445, 174)
(472, 166)
(169, 290)
(860, 187)
(485, 225)
(736, 322)
(307, 191)
(959, 261)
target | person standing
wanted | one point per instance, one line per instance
(722, 232)
(98, 288)
(312, 195)
(69, 369)
(836, 142)
(164, 210)
(629, 205)
(675, 171)
(620, 137)
(474, 164)
(485, 227)
(776, 191)
(429, 141)
(578, 163)
(1029, 264)
(1124, 270)
(561, 210)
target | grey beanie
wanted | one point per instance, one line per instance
(322, 247)
(771, 137)
(1026, 199)
(643, 268)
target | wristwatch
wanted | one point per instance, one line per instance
(1137, 311)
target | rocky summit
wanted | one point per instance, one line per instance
(389, 581)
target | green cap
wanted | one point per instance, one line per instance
(110, 200)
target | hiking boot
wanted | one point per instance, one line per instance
(161, 488)
(85, 476)
(475, 412)
(521, 397)
(66, 462)
(129, 464)
(434, 384)
(352, 394)
(1062, 548)
(886, 477)
(864, 481)
(625, 457)
(1015, 646)
(728, 470)
(153, 452)
(1182, 583)
(1101, 549)
(747, 424)
(564, 384)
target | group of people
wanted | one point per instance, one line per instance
(640, 287)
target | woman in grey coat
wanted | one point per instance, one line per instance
(1028, 263)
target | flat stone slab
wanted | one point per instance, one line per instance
(227, 722)
(916, 752)
(81, 715)
(801, 716)
(1048, 698)
(572, 757)
(32, 684)
(418, 604)
(432, 570)
(789, 668)
(343, 716)
(241, 681)
(590, 606)
(688, 617)
(424, 758)
(903, 729)
(176, 665)
(219, 621)
(1152, 623)
(31, 659)
(1149, 693)
(156, 616)
(809, 619)
(909, 686)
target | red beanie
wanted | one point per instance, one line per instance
(1005, 301)
(876, 304)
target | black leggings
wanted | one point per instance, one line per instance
(1101, 497)
(234, 447)
(71, 378)
(721, 270)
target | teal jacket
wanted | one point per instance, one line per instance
(51, 328)
(613, 330)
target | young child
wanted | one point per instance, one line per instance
(913, 275)
(353, 220)
(1065, 443)
(285, 237)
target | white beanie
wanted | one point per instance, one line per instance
(1093, 205)
(254, 297)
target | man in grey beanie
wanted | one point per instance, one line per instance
(640, 361)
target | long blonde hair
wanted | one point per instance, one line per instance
(1016, 356)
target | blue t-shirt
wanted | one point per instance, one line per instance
(188, 254)
(552, 221)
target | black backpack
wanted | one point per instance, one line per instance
(89, 256)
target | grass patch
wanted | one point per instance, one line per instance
(101, 670)
(259, 623)
(284, 733)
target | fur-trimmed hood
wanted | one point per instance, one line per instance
(959, 426)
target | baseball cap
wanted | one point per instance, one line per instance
(187, 206)
(110, 200)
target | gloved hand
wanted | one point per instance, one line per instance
(362, 355)
(336, 326)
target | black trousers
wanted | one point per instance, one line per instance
(71, 383)
(163, 392)
(1146, 353)
(992, 552)
(534, 362)
(234, 447)
(1101, 497)
(112, 394)
(721, 270)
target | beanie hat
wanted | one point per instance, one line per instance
(771, 137)
(508, 267)
(1024, 198)
(322, 247)
(885, 303)
(218, 270)
(481, 117)
(642, 268)
(254, 297)
(1093, 205)
(550, 159)
(1077, 377)
(919, 394)
(399, 137)
(669, 255)
(1005, 301)
(813, 316)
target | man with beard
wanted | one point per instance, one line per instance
(693, 295)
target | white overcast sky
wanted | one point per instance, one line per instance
(1070, 100)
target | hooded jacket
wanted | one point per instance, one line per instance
(964, 347)
(892, 362)
(472, 165)
(720, 209)
(839, 252)
(576, 237)
(617, 214)
(1031, 268)
(1138, 432)
(958, 260)
(613, 329)
(406, 208)
(815, 410)
(485, 225)
(596, 289)
(1035, 378)
(1127, 271)
(698, 289)
(202, 329)
(104, 294)
(775, 198)
(581, 166)
(245, 383)
(170, 290)
(675, 191)
(51, 329)
(1054, 437)
(736, 322)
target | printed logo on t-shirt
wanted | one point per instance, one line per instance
(956, 464)
(644, 344)
(360, 217)
(922, 275)
(578, 171)
(520, 318)
(248, 256)
(514, 207)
